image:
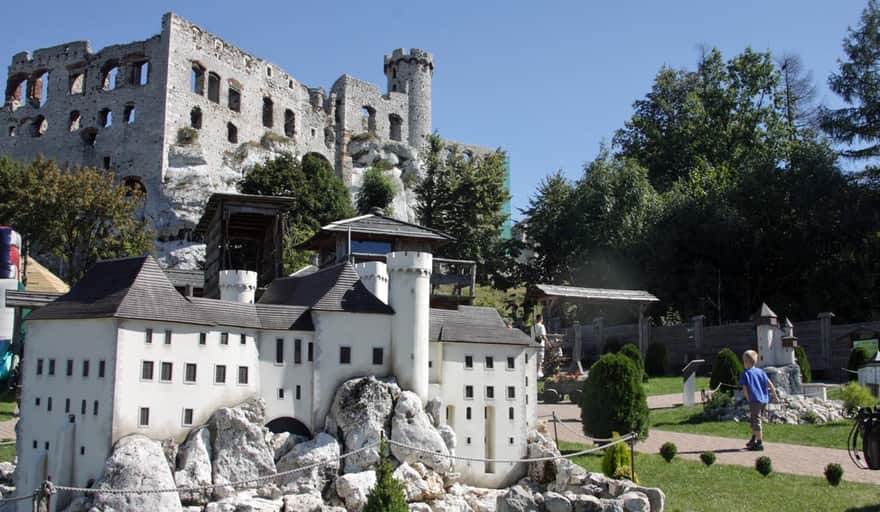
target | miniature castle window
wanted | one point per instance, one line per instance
(220, 374)
(510, 413)
(110, 76)
(224, 338)
(344, 355)
(231, 133)
(82, 407)
(85, 368)
(467, 413)
(39, 366)
(234, 99)
(195, 118)
(297, 351)
(148, 337)
(35, 444)
(129, 113)
(469, 362)
(168, 336)
(203, 338)
(197, 79)
(511, 363)
(490, 363)
(289, 123)
(378, 355)
(39, 126)
(279, 351)
(242, 374)
(166, 372)
(368, 115)
(105, 118)
(144, 417)
(146, 370)
(490, 392)
(511, 440)
(37, 402)
(95, 408)
(187, 417)
(49, 404)
(190, 373)
(73, 123)
(242, 339)
(469, 392)
(76, 83)
(280, 393)
(395, 123)
(268, 112)
(298, 392)
(311, 352)
(511, 392)
(214, 87)
(66, 405)
(70, 367)
(46, 445)
(51, 367)
(82, 450)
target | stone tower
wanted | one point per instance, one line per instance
(411, 73)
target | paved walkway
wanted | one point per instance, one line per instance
(787, 458)
(7, 429)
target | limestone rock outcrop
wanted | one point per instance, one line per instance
(194, 466)
(412, 426)
(353, 489)
(240, 451)
(322, 449)
(136, 462)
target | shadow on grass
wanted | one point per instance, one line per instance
(725, 450)
(868, 508)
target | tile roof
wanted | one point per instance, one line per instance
(134, 288)
(334, 288)
(182, 278)
(592, 294)
(41, 279)
(376, 224)
(472, 324)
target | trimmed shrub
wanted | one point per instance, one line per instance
(627, 473)
(800, 356)
(656, 360)
(387, 495)
(615, 457)
(858, 356)
(855, 396)
(668, 451)
(631, 351)
(810, 417)
(708, 458)
(764, 465)
(717, 401)
(614, 399)
(834, 474)
(726, 370)
(612, 346)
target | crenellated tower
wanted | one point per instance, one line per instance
(411, 73)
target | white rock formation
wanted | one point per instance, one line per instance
(194, 466)
(353, 488)
(136, 462)
(240, 450)
(322, 449)
(412, 427)
(419, 483)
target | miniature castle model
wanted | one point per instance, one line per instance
(775, 344)
(124, 352)
(186, 105)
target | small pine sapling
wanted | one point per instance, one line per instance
(834, 474)
(708, 458)
(764, 465)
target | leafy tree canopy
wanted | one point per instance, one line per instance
(377, 191)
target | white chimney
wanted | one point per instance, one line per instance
(374, 275)
(238, 285)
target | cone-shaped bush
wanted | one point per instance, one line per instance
(858, 356)
(615, 457)
(387, 495)
(800, 356)
(656, 360)
(668, 451)
(834, 474)
(614, 399)
(634, 354)
(726, 370)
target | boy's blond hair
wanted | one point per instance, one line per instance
(750, 356)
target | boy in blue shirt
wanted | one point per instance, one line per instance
(755, 385)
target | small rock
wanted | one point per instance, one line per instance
(303, 503)
(555, 502)
(519, 499)
(411, 426)
(353, 488)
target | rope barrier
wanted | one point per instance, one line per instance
(18, 498)
(581, 434)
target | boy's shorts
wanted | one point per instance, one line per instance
(756, 409)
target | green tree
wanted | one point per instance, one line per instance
(804, 364)
(725, 371)
(377, 191)
(464, 196)
(857, 82)
(320, 197)
(79, 215)
(635, 355)
(548, 230)
(387, 495)
(858, 357)
(614, 398)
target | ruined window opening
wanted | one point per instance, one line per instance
(290, 84)
(268, 107)
(214, 87)
(12, 131)
(74, 121)
(105, 118)
(106, 163)
(134, 187)
(39, 126)
(89, 136)
(394, 87)
(110, 76)
(396, 123)
(129, 113)
(394, 72)
(197, 79)
(268, 70)
(231, 133)
(140, 72)
(195, 118)
(368, 114)
(14, 87)
(76, 83)
(314, 133)
(38, 89)
(234, 99)
(289, 123)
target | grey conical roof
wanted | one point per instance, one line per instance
(766, 312)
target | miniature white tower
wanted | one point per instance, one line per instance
(775, 345)
(238, 285)
(409, 294)
(374, 275)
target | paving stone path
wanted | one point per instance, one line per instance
(787, 458)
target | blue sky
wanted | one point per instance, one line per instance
(546, 81)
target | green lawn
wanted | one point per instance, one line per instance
(691, 486)
(7, 453)
(687, 419)
(7, 406)
(669, 385)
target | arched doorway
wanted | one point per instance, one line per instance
(288, 424)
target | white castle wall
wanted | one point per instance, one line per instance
(287, 375)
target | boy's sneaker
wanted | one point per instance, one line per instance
(750, 443)
(757, 447)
